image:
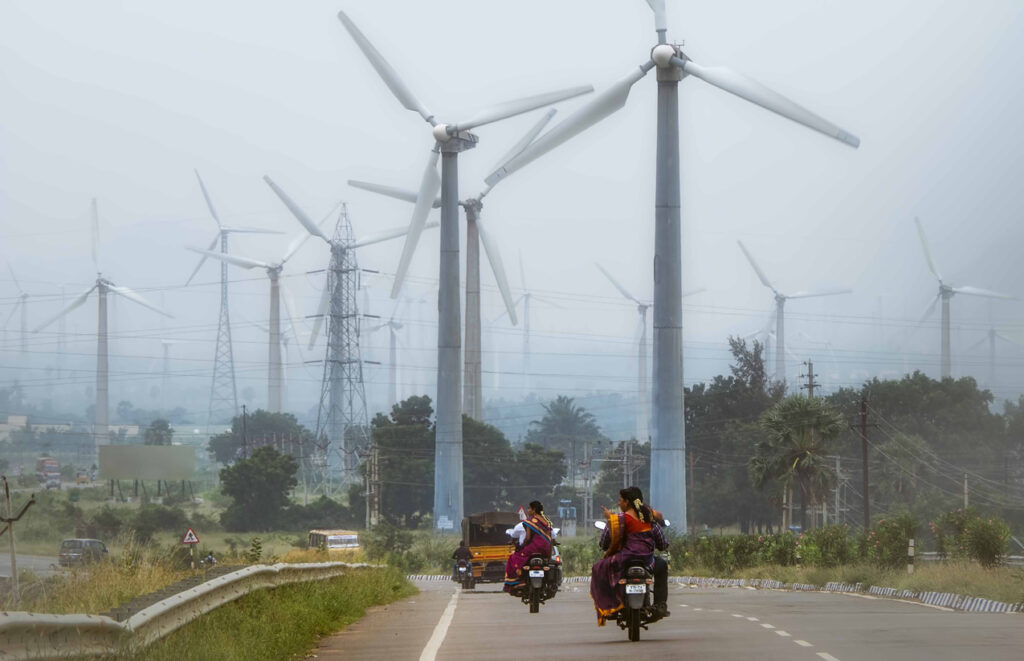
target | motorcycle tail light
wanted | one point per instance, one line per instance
(622, 581)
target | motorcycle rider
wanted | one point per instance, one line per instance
(461, 553)
(631, 498)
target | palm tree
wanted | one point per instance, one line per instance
(564, 426)
(798, 430)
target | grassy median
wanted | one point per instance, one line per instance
(283, 623)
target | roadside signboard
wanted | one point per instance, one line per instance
(190, 537)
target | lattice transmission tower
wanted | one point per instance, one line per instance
(342, 428)
(223, 391)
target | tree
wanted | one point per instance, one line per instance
(565, 427)
(798, 431)
(259, 488)
(610, 477)
(487, 459)
(535, 475)
(159, 432)
(280, 430)
(405, 453)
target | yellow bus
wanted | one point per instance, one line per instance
(334, 540)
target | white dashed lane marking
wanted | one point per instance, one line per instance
(767, 626)
(803, 643)
(782, 633)
(753, 619)
(736, 615)
(827, 656)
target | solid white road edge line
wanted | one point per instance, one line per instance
(903, 601)
(441, 630)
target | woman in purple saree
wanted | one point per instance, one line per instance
(537, 540)
(629, 535)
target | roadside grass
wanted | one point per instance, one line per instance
(283, 623)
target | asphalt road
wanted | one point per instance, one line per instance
(441, 623)
(40, 564)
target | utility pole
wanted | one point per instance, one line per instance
(810, 385)
(9, 520)
(864, 454)
(690, 486)
(838, 482)
(965, 491)
(245, 442)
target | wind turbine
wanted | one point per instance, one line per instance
(946, 292)
(780, 316)
(449, 140)
(273, 270)
(393, 328)
(223, 391)
(668, 478)
(102, 286)
(22, 305)
(476, 233)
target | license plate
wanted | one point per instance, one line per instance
(638, 588)
(536, 573)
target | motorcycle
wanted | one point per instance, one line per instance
(544, 575)
(636, 592)
(465, 575)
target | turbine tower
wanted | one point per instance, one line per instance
(946, 292)
(341, 416)
(223, 391)
(449, 140)
(780, 312)
(102, 287)
(668, 476)
(393, 328)
(476, 233)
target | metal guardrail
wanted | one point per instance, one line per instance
(1008, 560)
(36, 636)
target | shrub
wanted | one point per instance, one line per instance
(777, 549)
(986, 540)
(831, 546)
(889, 540)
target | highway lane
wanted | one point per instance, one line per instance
(40, 564)
(707, 623)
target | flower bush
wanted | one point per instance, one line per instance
(889, 539)
(986, 540)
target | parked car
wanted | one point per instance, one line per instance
(75, 552)
(53, 483)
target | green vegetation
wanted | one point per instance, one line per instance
(284, 622)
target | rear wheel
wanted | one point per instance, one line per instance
(534, 601)
(634, 625)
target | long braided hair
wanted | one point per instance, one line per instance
(635, 498)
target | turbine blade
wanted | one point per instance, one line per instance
(74, 304)
(746, 88)
(390, 191)
(978, 291)
(248, 230)
(385, 71)
(591, 113)
(15, 278)
(757, 269)
(289, 308)
(525, 141)
(296, 210)
(522, 271)
(136, 297)
(694, 292)
(321, 310)
(300, 239)
(95, 235)
(498, 268)
(206, 196)
(930, 309)
(622, 290)
(976, 345)
(927, 251)
(11, 315)
(429, 187)
(660, 17)
(243, 262)
(820, 292)
(519, 106)
(202, 260)
(392, 233)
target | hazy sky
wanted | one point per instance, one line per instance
(122, 100)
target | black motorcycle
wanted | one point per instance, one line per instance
(464, 574)
(541, 584)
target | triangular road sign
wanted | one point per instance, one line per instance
(522, 513)
(190, 537)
